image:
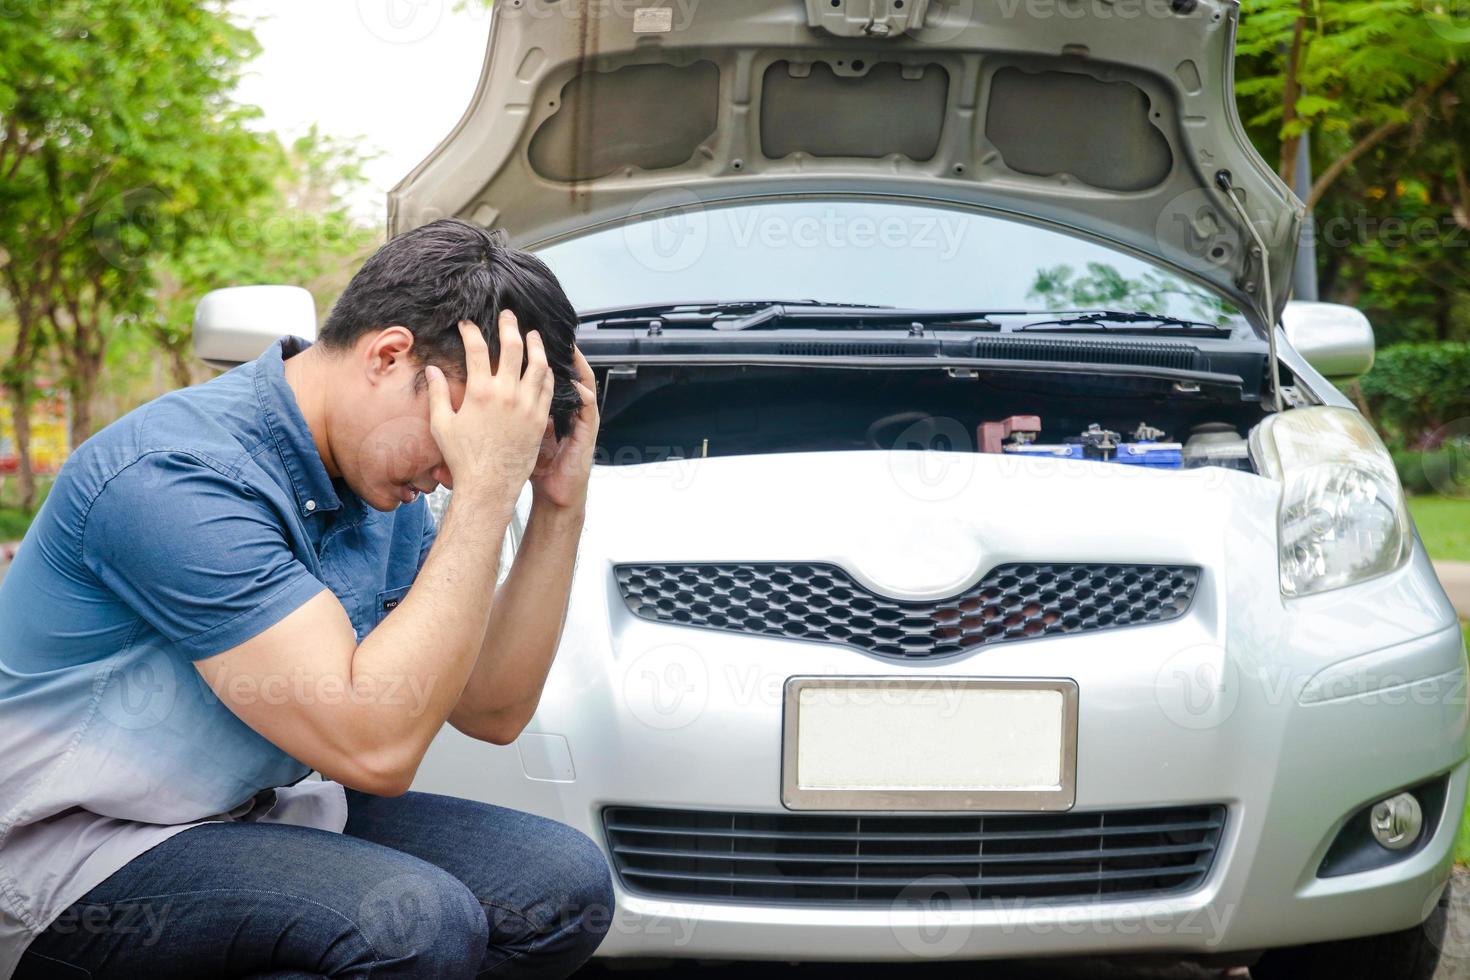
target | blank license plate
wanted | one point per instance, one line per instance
(884, 743)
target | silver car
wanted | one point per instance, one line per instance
(981, 561)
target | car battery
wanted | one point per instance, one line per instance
(1096, 443)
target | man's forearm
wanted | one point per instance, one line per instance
(434, 637)
(523, 629)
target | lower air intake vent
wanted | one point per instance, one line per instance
(822, 602)
(845, 860)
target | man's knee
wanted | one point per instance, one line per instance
(588, 907)
(573, 909)
(423, 923)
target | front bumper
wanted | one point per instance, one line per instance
(1292, 714)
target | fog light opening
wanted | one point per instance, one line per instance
(1397, 821)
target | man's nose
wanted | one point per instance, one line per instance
(442, 476)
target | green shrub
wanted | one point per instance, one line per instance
(1419, 392)
(1444, 471)
(1410, 465)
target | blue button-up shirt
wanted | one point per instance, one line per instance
(178, 532)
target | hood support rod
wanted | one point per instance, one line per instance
(1222, 178)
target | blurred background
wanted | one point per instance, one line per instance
(151, 150)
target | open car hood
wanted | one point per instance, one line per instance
(1113, 118)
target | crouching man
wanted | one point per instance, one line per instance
(240, 583)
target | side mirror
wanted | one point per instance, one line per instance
(1336, 340)
(236, 324)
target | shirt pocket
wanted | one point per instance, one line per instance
(368, 614)
(386, 602)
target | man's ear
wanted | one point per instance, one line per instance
(386, 353)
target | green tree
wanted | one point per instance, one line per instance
(298, 231)
(1379, 84)
(117, 121)
(1354, 72)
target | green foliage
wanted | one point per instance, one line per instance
(1380, 88)
(132, 183)
(119, 126)
(1416, 390)
(1360, 60)
(297, 230)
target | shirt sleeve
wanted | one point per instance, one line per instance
(201, 557)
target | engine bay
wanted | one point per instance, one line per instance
(656, 412)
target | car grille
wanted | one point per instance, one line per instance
(841, 859)
(815, 601)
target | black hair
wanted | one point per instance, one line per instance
(430, 278)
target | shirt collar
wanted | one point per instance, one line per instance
(294, 444)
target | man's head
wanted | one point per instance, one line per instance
(399, 314)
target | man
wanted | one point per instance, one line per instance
(238, 583)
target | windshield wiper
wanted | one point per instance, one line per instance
(702, 312)
(754, 314)
(1098, 321)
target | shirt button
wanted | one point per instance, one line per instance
(311, 505)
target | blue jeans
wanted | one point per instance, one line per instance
(419, 886)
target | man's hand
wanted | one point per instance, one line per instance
(491, 444)
(562, 468)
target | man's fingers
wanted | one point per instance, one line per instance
(586, 381)
(511, 348)
(440, 407)
(476, 355)
(583, 369)
(539, 379)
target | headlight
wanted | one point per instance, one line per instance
(1342, 517)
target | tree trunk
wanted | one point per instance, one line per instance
(25, 476)
(1291, 144)
(87, 369)
(19, 380)
(179, 366)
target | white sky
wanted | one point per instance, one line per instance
(396, 73)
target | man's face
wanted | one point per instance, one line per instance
(381, 440)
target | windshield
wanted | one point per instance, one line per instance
(865, 251)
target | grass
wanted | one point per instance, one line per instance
(1444, 524)
(13, 523)
(13, 520)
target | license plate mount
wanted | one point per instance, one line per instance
(929, 744)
